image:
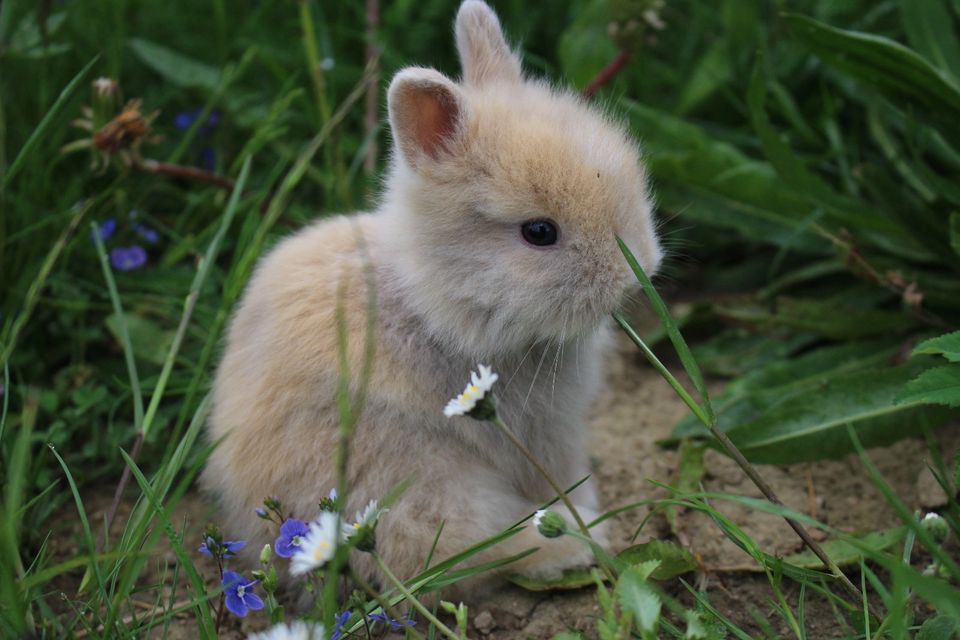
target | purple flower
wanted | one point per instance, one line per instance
(240, 597)
(228, 547)
(105, 229)
(292, 533)
(147, 233)
(338, 621)
(393, 622)
(128, 258)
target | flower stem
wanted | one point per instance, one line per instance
(444, 629)
(498, 421)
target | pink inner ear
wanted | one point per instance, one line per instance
(435, 120)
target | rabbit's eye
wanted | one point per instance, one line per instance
(540, 233)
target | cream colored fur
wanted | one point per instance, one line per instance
(456, 286)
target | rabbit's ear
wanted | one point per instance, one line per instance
(484, 52)
(426, 114)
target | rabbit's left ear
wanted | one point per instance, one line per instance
(484, 52)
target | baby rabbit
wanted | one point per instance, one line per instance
(494, 243)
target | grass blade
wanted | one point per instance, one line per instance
(46, 122)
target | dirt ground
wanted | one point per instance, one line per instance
(636, 409)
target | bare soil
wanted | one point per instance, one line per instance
(637, 409)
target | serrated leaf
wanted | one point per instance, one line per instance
(174, 66)
(696, 629)
(947, 345)
(938, 628)
(639, 598)
(940, 385)
(672, 559)
(812, 425)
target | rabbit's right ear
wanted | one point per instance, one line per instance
(426, 114)
(484, 52)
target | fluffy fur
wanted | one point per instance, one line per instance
(456, 285)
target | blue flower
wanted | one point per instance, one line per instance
(229, 548)
(292, 533)
(240, 597)
(208, 158)
(128, 258)
(185, 119)
(393, 622)
(147, 233)
(338, 621)
(105, 229)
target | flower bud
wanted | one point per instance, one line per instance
(549, 523)
(262, 513)
(266, 554)
(936, 526)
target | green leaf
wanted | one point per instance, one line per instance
(639, 598)
(750, 396)
(812, 425)
(585, 48)
(930, 30)
(938, 628)
(672, 559)
(827, 318)
(793, 171)
(150, 342)
(175, 67)
(955, 232)
(947, 345)
(849, 550)
(711, 73)
(940, 385)
(883, 64)
(572, 579)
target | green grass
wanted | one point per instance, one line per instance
(806, 161)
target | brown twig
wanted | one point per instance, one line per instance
(182, 171)
(371, 116)
(607, 74)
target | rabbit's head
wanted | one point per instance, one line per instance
(504, 199)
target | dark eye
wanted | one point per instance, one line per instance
(539, 233)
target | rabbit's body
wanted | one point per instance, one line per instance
(455, 285)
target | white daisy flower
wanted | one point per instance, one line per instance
(538, 517)
(367, 518)
(318, 546)
(474, 393)
(296, 630)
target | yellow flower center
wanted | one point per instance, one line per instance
(319, 553)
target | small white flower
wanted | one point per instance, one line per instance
(475, 391)
(296, 630)
(318, 546)
(538, 517)
(367, 518)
